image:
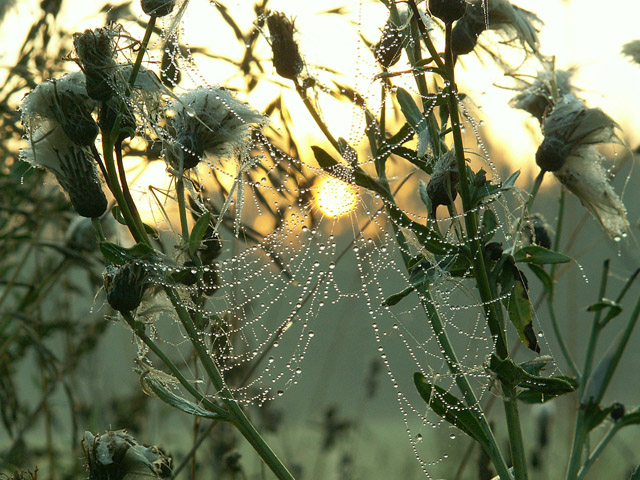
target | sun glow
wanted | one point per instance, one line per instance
(336, 198)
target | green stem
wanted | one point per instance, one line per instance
(138, 329)
(237, 416)
(527, 208)
(581, 433)
(316, 116)
(182, 207)
(598, 450)
(560, 338)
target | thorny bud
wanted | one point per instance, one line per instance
(158, 8)
(286, 55)
(617, 411)
(80, 181)
(96, 52)
(448, 10)
(117, 455)
(441, 188)
(125, 286)
(389, 48)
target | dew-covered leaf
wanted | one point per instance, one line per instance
(539, 255)
(197, 233)
(451, 409)
(120, 255)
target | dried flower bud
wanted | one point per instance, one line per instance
(117, 455)
(158, 8)
(617, 411)
(552, 153)
(448, 10)
(96, 53)
(389, 48)
(632, 50)
(73, 167)
(65, 102)
(125, 286)
(208, 121)
(441, 188)
(286, 56)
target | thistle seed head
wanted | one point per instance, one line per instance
(158, 8)
(117, 455)
(208, 121)
(63, 101)
(537, 98)
(286, 55)
(552, 153)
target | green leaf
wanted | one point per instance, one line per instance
(636, 474)
(537, 389)
(116, 211)
(119, 255)
(326, 161)
(511, 181)
(409, 109)
(539, 255)
(614, 310)
(489, 225)
(518, 305)
(395, 298)
(422, 187)
(448, 407)
(176, 401)
(544, 277)
(197, 233)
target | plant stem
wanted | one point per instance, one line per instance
(580, 432)
(138, 330)
(236, 414)
(316, 116)
(598, 450)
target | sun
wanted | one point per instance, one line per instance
(336, 198)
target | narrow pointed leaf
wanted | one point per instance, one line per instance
(197, 233)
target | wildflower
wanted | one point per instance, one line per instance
(537, 98)
(73, 167)
(569, 129)
(441, 188)
(116, 455)
(389, 48)
(208, 121)
(158, 8)
(498, 15)
(448, 10)
(286, 56)
(570, 132)
(62, 101)
(632, 50)
(96, 58)
(125, 286)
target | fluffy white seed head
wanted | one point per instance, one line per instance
(209, 120)
(585, 177)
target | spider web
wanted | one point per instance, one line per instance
(280, 269)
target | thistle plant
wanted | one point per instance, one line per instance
(234, 311)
